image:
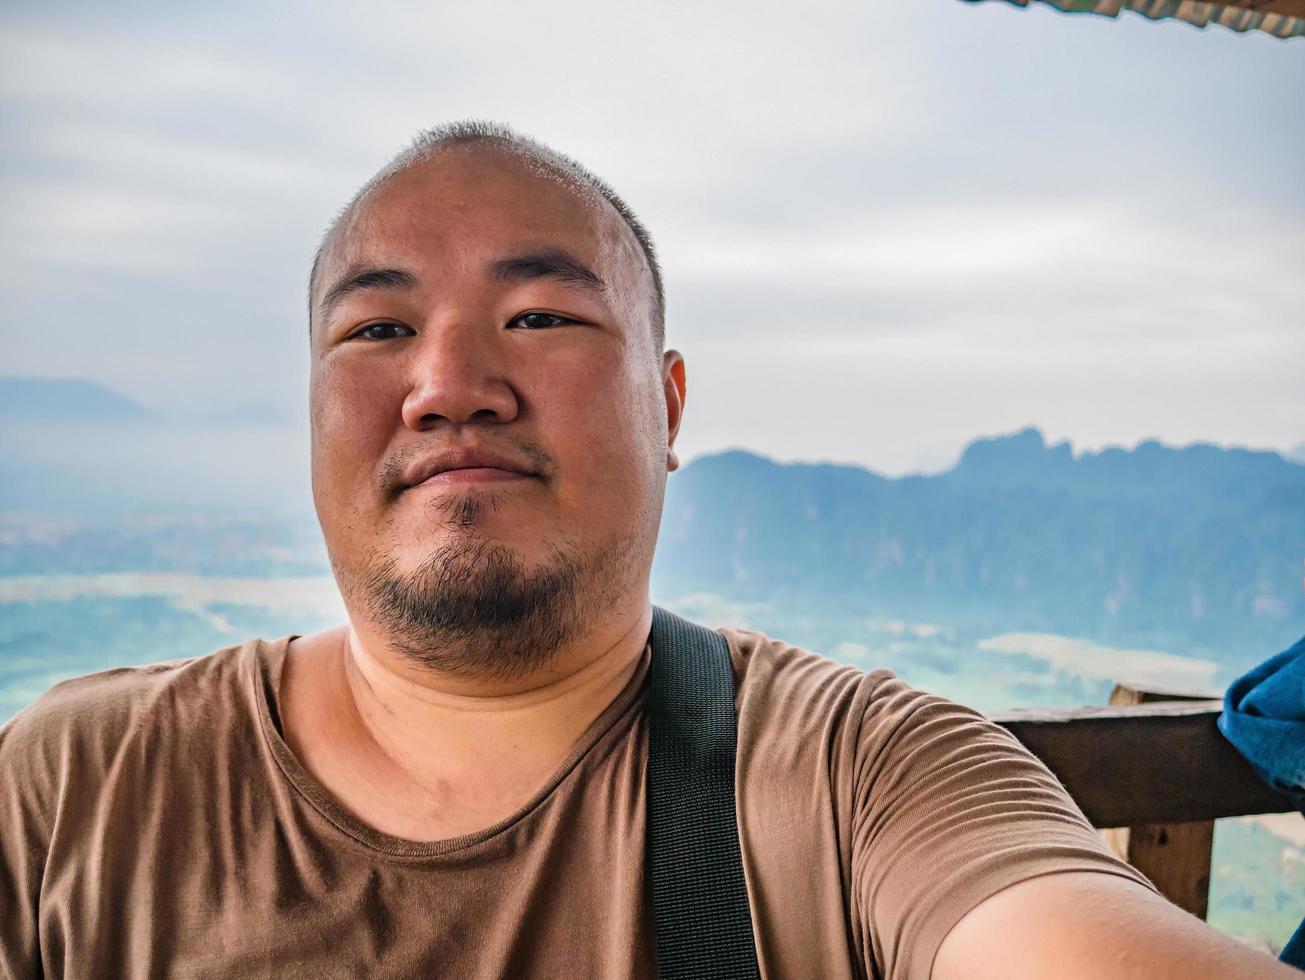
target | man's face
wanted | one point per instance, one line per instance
(479, 304)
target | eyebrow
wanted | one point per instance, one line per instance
(552, 264)
(358, 280)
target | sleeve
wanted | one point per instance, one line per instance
(53, 756)
(949, 808)
(25, 822)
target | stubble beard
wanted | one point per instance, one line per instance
(474, 609)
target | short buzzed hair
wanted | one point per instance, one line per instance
(501, 136)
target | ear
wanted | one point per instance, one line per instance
(673, 385)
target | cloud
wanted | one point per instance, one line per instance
(71, 225)
(1149, 669)
(954, 218)
(62, 64)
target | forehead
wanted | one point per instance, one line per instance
(470, 203)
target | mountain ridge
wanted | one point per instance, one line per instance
(59, 399)
(1196, 549)
(26, 398)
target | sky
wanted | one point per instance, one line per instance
(885, 229)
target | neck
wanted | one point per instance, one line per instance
(394, 677)
(401, 702)
(409, 749)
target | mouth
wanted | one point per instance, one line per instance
(471, 475)
(464, 467)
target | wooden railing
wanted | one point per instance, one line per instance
(1154, 773)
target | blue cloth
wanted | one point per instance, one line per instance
(1264, 718)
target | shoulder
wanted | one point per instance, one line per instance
(80, 727)
(109, 701)
(795, 687)
(921, 806)
(770, 669)
(871, 730)
(827, 757)
(805, 720)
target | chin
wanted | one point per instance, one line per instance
(467, 555)
(472, 509)
(461, 606)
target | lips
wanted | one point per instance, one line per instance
(423, 469)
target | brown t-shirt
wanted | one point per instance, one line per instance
(154, 823)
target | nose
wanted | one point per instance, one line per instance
(459, 375)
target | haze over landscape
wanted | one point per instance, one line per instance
(1196, 550)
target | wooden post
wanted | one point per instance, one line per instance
(1174, 856)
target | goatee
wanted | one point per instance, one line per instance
(474, 609)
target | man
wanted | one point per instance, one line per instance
(452, 784)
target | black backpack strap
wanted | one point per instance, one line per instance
(701, 916)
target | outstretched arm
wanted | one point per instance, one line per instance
(1083, 924)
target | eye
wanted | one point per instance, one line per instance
(537, 321)
(384, 331)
